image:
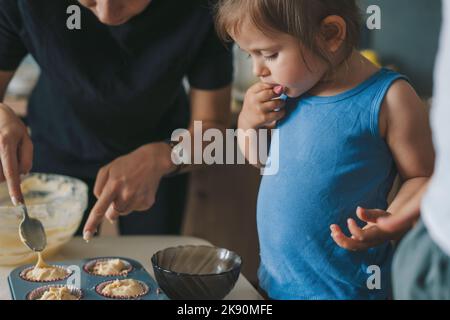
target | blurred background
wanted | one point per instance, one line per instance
(222, 199)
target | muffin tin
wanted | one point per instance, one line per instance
(21, 288)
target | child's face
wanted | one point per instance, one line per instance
(281, 60)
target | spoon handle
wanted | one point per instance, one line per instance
(23, 207)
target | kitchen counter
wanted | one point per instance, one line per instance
(140, 248)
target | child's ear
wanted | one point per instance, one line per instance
(333, 31)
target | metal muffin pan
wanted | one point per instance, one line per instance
(20, 288)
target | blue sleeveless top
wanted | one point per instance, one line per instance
(332, 159)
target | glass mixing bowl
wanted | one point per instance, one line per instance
(57, 201)
(196, 272)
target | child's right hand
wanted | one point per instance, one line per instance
(260, 110)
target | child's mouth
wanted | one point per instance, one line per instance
(279, 90)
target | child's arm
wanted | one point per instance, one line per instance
(404, 219)
(406, 126)
(404, 123)
(259, 110)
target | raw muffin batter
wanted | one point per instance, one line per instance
(45, 272)
(123, 288)
(109, 267)
(62, 293)
(57, 201)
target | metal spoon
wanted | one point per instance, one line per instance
(32, 231)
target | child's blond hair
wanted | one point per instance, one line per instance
(299, 18)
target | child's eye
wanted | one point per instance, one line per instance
(272, 57)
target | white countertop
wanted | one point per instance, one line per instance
(140, 248)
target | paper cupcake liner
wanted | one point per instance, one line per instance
(99, 288)
(88, 267)
(24, 272)
(39, 292)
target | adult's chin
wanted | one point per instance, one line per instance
(114, 22)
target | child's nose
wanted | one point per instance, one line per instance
(260, 71)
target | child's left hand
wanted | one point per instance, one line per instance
(362, 239)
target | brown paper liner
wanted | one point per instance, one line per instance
(37, 293)
(24, 272)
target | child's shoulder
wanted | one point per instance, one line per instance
(401, 104)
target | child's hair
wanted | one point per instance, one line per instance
(298, 18)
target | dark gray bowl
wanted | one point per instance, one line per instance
(196, 272)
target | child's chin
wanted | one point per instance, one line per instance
(293, 93)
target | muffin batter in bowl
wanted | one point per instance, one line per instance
(57, 201)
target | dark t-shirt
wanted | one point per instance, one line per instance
(104, 91)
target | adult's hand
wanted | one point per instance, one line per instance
(128, 184)
(16, 151)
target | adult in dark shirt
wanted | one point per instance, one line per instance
(108, 96)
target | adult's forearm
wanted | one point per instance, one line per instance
(210, 117)
(199, 145)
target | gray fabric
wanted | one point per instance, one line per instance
(420, 270)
